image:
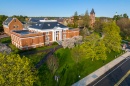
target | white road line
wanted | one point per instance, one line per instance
(111, 71)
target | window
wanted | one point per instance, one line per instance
(64, 36)
(48, 24)
(47, 38)
(47, 33)
(14, 20)
(14, 26)
(64, 30)
(56, 32)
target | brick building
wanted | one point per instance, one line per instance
(12, 24)
(24, 39)
(92, 18)
(41, 33)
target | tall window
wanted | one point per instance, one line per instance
(64, 36)
(47, 38)
(47, 33)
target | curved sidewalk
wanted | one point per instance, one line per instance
(96, 74)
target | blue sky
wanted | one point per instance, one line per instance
(63, 8)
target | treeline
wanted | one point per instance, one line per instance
(4, 17)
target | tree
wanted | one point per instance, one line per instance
(117, 17)
(101, 51)
(16, 71)
(98, 25)
(52, 63)
(2, 19)
(72, 42)
(124, 24)
(21, 18)
(112, 36)
(85, 24)
(77, 53)
(76, 13)
(75, 19)
(94, 47)
(86, 20)
(125, 15)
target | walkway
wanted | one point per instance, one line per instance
(52, 50)
(98, 73)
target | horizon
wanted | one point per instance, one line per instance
(64, 8)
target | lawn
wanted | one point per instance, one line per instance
(68, 70)
(5, 40)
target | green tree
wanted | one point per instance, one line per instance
(94, 47)
(100, 51)
(125, 15)
(85, 24)
(98, 25)
(76, 13)
(112, 36)
(75, 19)
(2, 19)
(16, 71)
(21, 18)
(77, 53)
(86, 20)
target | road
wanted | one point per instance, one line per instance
(111, 77)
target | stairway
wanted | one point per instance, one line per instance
(59, 42)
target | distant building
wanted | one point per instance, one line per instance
(12, 24)
(92, 18)
(40, 33)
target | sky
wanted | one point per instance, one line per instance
(63, 8)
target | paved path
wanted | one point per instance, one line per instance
(37, 51)
(98, 73)
(46, 56)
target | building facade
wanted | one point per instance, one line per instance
(41, 33)
(12, 24)
(92, 18)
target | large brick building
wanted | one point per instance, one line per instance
(41, 33)
(12, 24)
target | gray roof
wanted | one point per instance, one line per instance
(47, 25)
(7, 21)
(23, 32)
(36, 19)
(92, 11)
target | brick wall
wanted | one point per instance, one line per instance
(15, 24)
(28, 42)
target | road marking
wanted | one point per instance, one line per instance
(110, 72)
(122, 79)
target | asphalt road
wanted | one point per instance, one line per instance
(111, 77)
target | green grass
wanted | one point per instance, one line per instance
(69, 71)
(36, 57)
(5, 40)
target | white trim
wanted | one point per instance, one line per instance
(31, 37)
